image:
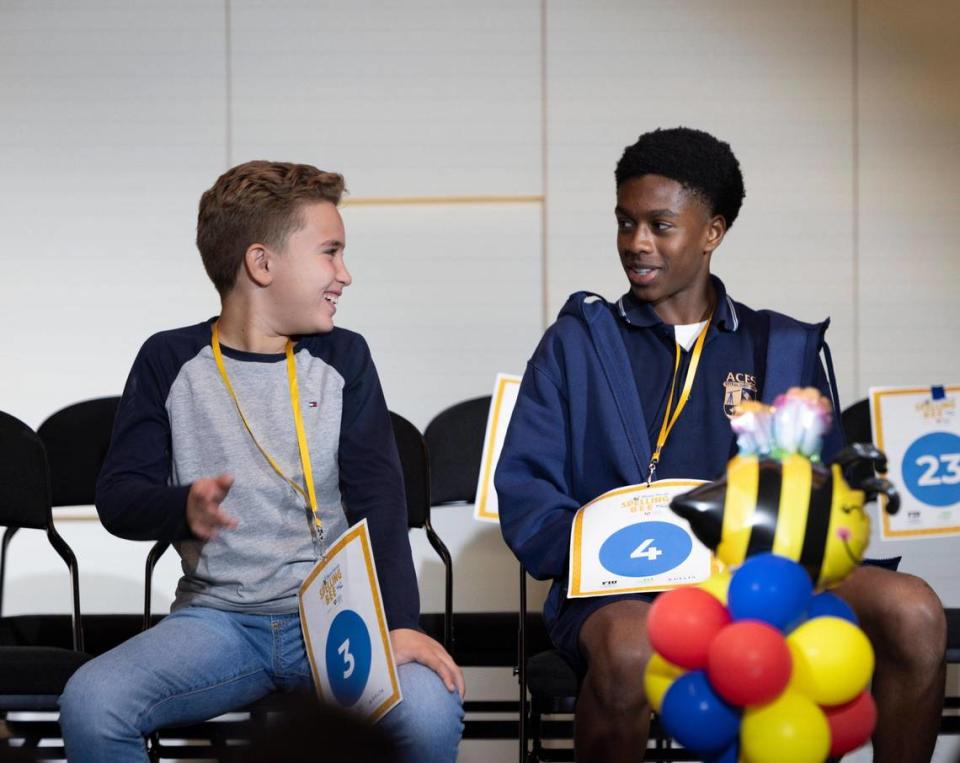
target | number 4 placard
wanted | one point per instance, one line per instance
(345, 630)
(919, 430)
(629, 540)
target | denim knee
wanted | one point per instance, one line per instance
(93, 705)
(428, 724)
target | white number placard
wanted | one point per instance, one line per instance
(628, 540)
(501, 408)
(345, 631)
(919, 430)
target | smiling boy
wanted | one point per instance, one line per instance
(590, 418)
(203, 408)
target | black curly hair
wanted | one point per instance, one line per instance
(695, 159)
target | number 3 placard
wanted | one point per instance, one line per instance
(919, 430)
(345, 631)
(628, 540)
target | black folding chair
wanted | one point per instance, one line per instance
(455, 440)
(481, 639)
(32, 677)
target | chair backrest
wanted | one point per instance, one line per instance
(416, 469)
(25, 502)
(455, 441)
(24, 477)
(77, 439)
(855, 421)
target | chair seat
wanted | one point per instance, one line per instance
(37, 670)
(551, 675)
(953, 634)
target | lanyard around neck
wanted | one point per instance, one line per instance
(669, 420)
(309, 495)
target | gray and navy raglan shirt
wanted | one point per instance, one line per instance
(177, 423)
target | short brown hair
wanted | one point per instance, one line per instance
(256, 202)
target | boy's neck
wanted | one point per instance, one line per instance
(241, 330)
(687, 307)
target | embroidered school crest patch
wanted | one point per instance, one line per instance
(736, 389)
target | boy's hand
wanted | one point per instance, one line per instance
(204, 515)
(413, 646)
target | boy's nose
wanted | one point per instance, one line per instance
(343, 275)
(641, 241)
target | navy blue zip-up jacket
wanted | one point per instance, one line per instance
(587, 412)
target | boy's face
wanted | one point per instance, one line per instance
(309, 274)
(665, 236)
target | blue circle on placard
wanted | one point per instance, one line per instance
(931, 469)
(658, 547)
(348, 657)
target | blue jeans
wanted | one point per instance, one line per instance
(199, 663)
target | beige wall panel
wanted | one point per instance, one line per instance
(113, 124)
(909, 192)
(446, 296)
(408, 98)
(772, 78)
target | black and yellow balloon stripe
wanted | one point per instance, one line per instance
(790, 507)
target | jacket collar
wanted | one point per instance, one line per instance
(642, 315)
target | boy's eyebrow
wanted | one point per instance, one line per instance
(332, 242)
(618, 210)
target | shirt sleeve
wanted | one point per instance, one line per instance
(534, 493)
(371, 485)
(134, 498)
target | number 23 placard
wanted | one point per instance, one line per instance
(918, 428)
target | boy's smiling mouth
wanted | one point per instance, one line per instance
(641, 275)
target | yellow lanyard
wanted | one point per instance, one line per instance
(668, 421)
(309, 495)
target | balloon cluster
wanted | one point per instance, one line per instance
(757, 665)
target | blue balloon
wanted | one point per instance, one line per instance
(730, 755)
(772, 589)
(828, 604)
(695, 715)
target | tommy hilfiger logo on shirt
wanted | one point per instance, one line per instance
(311, 404)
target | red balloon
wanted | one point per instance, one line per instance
(749, 663)
(851, 724)
(682, 623)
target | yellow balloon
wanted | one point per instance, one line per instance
(717, 586)
(791, 729)
(657, 678)
(832, 660)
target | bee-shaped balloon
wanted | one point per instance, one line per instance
(776, 498)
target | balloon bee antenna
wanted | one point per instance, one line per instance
(859, 452)
(873, 486)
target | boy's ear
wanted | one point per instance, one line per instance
(258, 264)
(716, 230)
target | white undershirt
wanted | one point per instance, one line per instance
(687, 334)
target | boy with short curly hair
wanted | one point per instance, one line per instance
(588, 419)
